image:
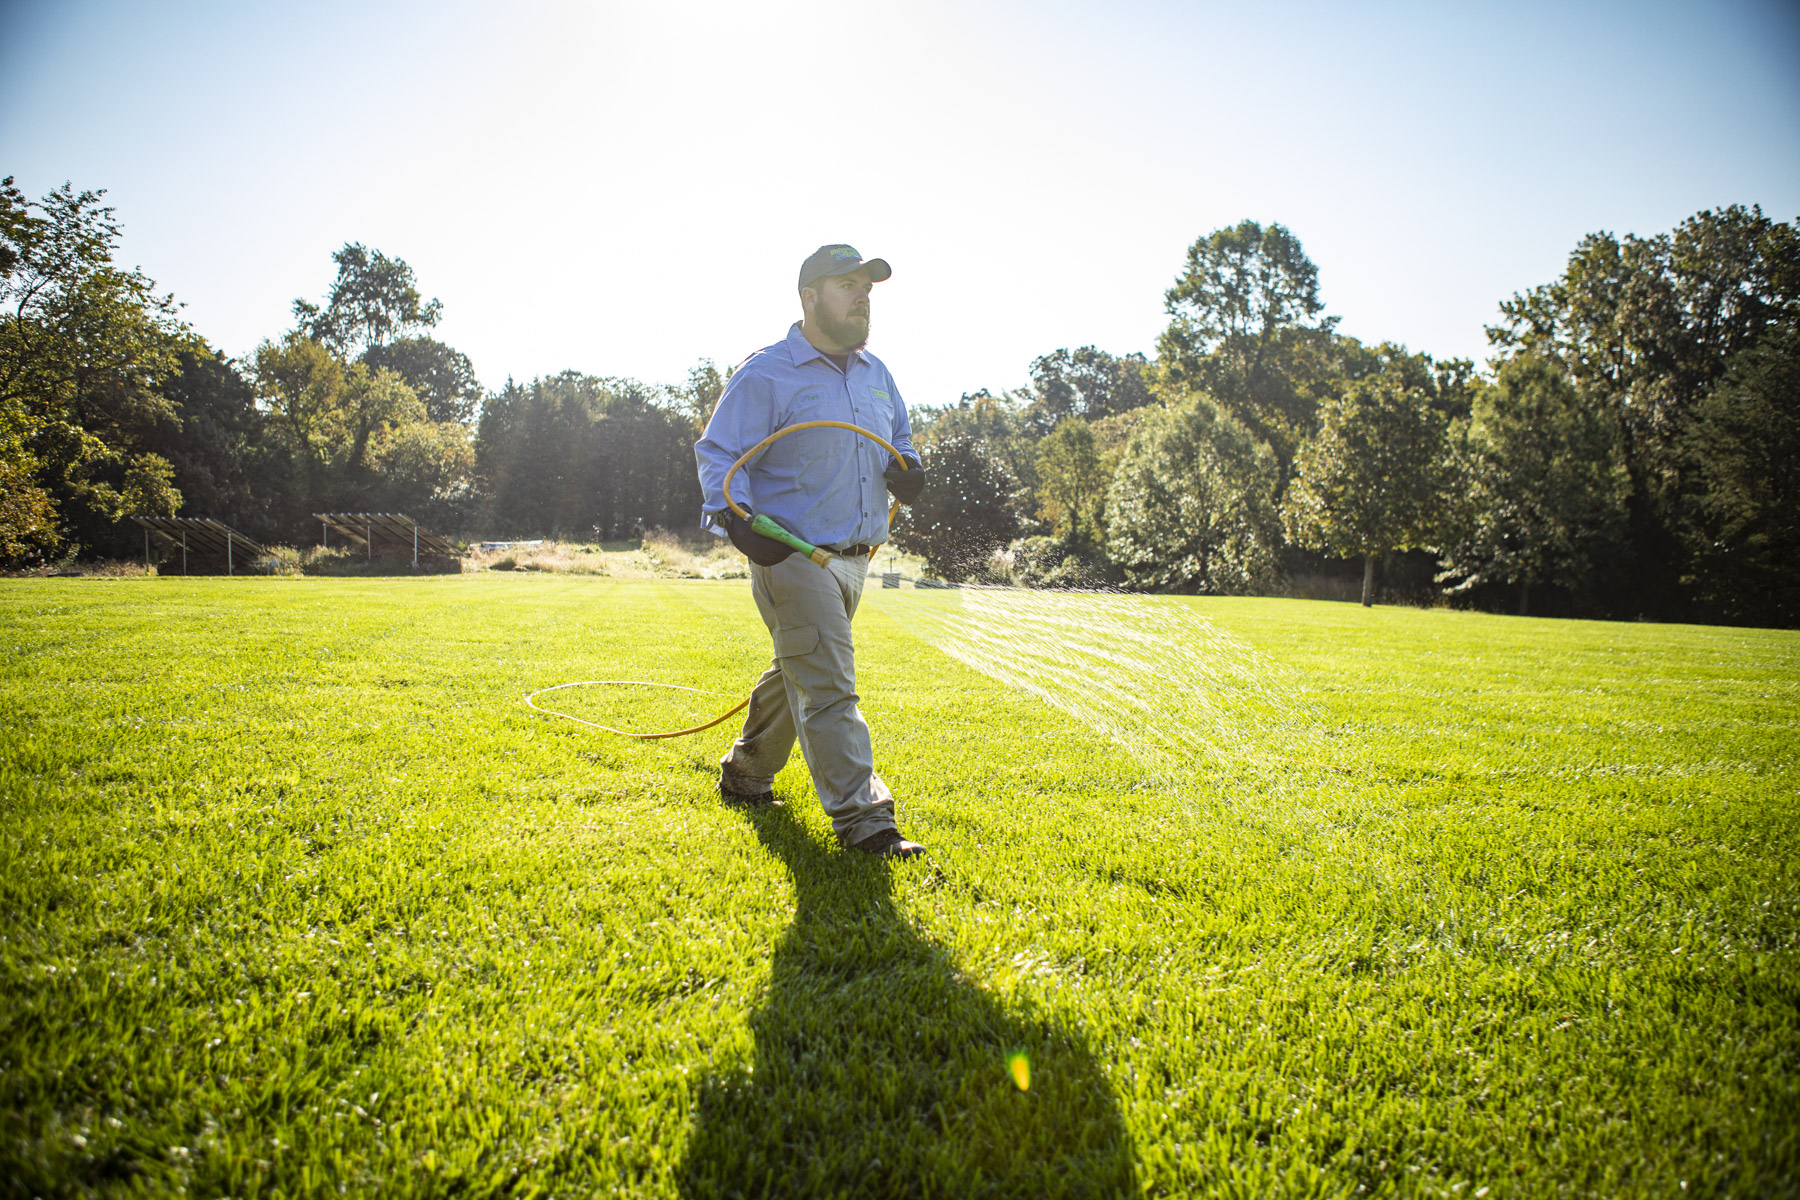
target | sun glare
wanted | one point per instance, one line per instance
(1020, 1066)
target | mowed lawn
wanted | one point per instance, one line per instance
(296, 898)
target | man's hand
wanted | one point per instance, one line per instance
(907, 485)
(763, 551)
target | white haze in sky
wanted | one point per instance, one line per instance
(624, 189)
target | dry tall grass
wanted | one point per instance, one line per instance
(662, 556)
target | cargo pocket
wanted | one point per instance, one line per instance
(802, 639)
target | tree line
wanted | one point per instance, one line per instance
(1629, 450)
(111, 406)
(1632, 449)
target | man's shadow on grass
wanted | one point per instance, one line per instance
(879, 1070)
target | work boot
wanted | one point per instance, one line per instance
(888, 844)
(747, 800)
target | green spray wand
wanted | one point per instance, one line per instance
(765, 525)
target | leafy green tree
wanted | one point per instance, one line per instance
(222, 462)
(699, 395)
(1743, 513)
(966, 514)
(519, 456)
(574, 453)
(302, 386)
(424, 468)
(150, 489)
(1071, 478)
(1544, 488)
(84, 346)
(27, 514)
(1192, 504)
(1076, 464)
(1373, 478)
(376, 403)
(439, 375)
(1247, 328)
(373, 301)
(338, 426)
(1644, 328)
(373, 412)
(1448, 387)
(1003, 427)
(1087, 382)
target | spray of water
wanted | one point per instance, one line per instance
(1170, 688)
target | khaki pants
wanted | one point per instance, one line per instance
(809, 692)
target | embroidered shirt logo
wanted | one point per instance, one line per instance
(879, 394)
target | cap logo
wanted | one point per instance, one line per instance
(842, 252)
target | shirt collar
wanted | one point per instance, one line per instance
(803, 351)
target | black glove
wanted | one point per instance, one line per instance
(906, 484)
(763, 551)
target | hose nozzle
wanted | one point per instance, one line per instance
(769, 529)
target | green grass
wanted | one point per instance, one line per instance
(296, 897)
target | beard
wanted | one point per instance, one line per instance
(847, 331)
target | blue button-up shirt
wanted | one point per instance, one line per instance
(824, 483)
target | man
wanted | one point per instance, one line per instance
(827, 486)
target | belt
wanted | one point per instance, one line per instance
(860, 550)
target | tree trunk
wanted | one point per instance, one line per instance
(1524, 597)
(360, 447)
(1368, 580)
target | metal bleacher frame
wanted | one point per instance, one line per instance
(203, 537)
(389, 529)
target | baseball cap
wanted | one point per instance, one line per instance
(840, 259)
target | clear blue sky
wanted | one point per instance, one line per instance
(624, 189)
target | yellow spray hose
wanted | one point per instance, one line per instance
(769, 528)
(550, 712)
(762, 525)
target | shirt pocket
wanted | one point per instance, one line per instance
(881, 411)
(804, 450)
(811, 402)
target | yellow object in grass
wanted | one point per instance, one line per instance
(1020, 1066)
